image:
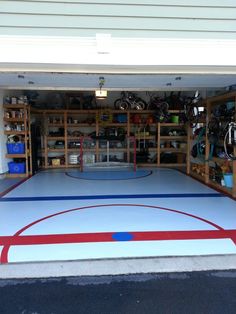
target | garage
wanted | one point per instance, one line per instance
(117, 142)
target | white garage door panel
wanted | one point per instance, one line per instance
(118, 23)
(172, 18)
(115, 10)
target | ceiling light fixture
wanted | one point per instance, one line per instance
(101, 94)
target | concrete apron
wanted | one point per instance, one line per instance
(122, 266)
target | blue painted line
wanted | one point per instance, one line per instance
(99, 197)
(111, 175)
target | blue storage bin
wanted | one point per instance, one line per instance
(16, 148)
(121, 118)
(228, 178)
(16, 167)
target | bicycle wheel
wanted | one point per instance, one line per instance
(121, 104)
(164, 106)
(140, 105)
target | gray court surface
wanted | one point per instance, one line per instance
(196, 292)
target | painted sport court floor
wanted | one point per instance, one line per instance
(68, 215)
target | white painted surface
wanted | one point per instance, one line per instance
(43, 52)
(114, 215)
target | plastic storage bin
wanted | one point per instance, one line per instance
(175, 119)
(15, 148)
(16, 167)
(121, 118)
(228, 178)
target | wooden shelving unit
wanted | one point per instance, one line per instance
(17, 123)
(72, 121)
(173, 146)
(211, 104)
(205, 167)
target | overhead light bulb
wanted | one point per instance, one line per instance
(101, 93)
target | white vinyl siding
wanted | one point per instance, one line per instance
(120, 18)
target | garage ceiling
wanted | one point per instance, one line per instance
(80, 81)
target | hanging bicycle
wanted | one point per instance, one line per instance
(160, 107)
(191, 112)
(129, 100)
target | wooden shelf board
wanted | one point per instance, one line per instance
(74, 149)
(113, 150)
(172, 165)
(13, 119)
(78, 150)
(138, 111)
(56, 150)
(15, 132)
(115, 124)
(17, 106)
(197, 176)
(217, 159)
(17, 175)
(76, 125)
(55, 138)
(53, 167)
(142, 124)
(73, 166)
(15, 155)
(223, 97)
(56, 124)
(173, 137)
(62, 111)
(172, 124)
(148, 137)
(70, 138)
(173, 150)
(147, 164)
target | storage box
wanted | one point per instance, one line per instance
(175, 119)
(15, 148)
(88, 158)
(56, 162)
(16, 167)
(121, 118)
(228, 178)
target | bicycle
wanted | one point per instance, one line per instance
(129, 100)
(191, 110)
(160, 107)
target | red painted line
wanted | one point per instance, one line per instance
(213, 187)
(108, 237)
(5, 250)
(13, 187)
